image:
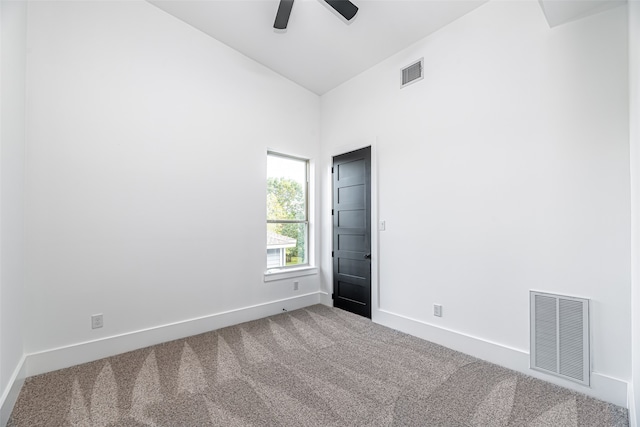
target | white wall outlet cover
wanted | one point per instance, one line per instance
(437, 310)
(97, 321)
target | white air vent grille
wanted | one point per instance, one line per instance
(413, 73)
(560, 336)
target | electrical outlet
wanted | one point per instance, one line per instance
(295, 285)
(382, 225)
(96, 321)
(437, 310)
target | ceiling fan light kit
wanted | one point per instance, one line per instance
(344, 7)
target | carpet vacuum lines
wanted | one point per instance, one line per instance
(316, 366)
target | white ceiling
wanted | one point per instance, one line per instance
(559, 12)
(319, 50)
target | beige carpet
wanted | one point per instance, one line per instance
(313, 367)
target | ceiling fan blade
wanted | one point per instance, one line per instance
(282, 16)
(344, 8)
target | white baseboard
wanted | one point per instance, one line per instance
(10, 395)
(325, 299)
(605, 388)
(64, 357)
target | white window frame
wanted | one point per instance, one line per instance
(307, 268)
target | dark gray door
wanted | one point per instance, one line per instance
(352, 231)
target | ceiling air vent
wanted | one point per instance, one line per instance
(413, 73)
(560, 336)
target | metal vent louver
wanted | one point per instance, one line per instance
(560, 336)
(413, 73)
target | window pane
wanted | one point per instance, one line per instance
(286, 245)
(286, 188)
(286, 201)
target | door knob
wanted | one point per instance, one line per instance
(367, 256)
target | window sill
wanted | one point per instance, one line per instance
(288, 273)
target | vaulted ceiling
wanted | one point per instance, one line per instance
(319, 50)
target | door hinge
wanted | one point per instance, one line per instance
(331, 211)
(331, 254)
(333, 296)
(332, 169)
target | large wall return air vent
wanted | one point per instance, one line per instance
(412, 73)
(560, 336)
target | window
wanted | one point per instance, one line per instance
(287, 211)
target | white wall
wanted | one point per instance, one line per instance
(506, 169)
(146, 172)
(12, 141)
(634, 118)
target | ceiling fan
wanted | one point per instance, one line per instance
(344, 7)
